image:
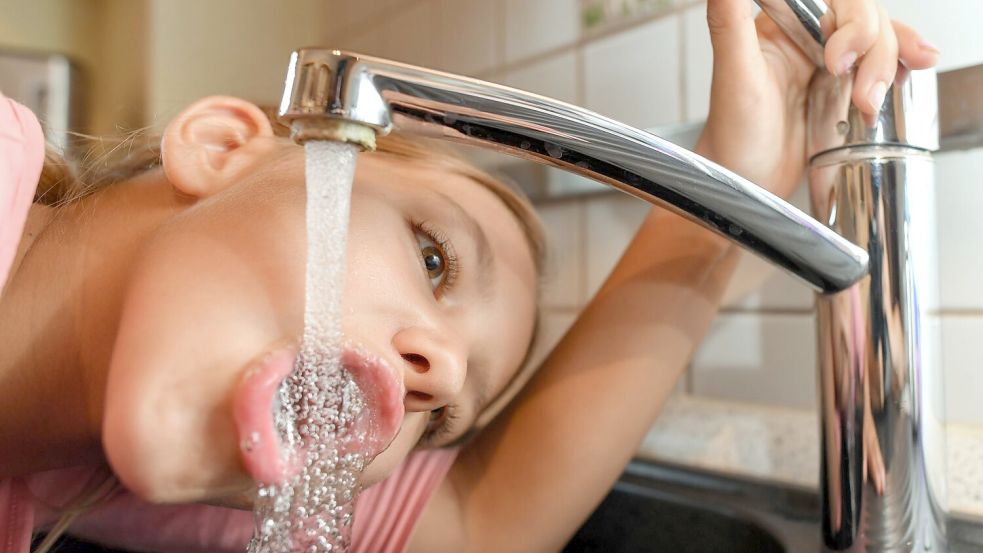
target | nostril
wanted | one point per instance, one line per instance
(419, 396)
(417, 359)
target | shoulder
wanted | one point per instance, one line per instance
(21, 158)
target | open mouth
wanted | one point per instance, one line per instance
(371, 431)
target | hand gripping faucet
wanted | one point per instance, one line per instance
(869, 260)
(882, 479)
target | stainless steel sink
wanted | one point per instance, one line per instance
(656, 507)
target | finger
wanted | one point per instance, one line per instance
(733, 36)
(876, 71)
(915, 52)
(857, 27)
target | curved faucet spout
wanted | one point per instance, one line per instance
(325, 87)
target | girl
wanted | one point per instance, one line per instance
(144, 324)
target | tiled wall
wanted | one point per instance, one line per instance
(655, 70)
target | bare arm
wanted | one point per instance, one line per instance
(531, 478)
(581, 418)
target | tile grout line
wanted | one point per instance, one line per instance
(584, 40)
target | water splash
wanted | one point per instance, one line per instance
(312, 510)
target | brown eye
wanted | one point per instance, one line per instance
(433, 261)
(437, 257)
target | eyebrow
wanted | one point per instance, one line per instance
(483, 265)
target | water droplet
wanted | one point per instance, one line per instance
(554, 150)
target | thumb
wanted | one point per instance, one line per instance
(733, 35)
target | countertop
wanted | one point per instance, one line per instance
(782, 444)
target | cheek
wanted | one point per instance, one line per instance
(195, 314)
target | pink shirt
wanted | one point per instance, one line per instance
(385, 514)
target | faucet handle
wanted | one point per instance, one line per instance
(807, 22)
(908, 117)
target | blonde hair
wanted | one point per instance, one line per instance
(106, 162)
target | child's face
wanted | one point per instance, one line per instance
(222, 282)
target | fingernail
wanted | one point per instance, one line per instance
(876, 95)
(846, 63)
(926, 45)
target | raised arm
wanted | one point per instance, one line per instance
(531, 478)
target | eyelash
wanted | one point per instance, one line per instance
(446, 427)
(447, 249)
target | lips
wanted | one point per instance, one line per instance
(377, 425)
(371, 432)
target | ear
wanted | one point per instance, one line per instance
(211, 142)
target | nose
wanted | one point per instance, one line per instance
(434, 368)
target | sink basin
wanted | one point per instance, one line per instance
(636, 518)
(658, 507)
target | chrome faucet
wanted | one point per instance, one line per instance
(882, 477)
(861, 190)
(335, 95)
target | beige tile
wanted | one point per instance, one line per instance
(634, 76)
(372, 42)
(563, 279)
(612, 221)
(963, 364)
(698, 64)
(360, 12)
(555, 77)
(534, 27)
(410, 34)
(959, 195)
(467, 39)
(769, 359)
(336, 22)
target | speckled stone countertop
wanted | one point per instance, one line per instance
(782, 444)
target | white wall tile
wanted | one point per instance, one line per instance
(553, 325)
(634, 76)
(410, 34)
(534, 27)
(698, 62)
(952, 25)
(758, 358)
(555, 77)
(963, 363)
(959, 201)
(563, 279)
(468, 35)
(612, 221)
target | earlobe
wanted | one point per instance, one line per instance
(209, 143)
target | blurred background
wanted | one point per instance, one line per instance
(101, 66)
